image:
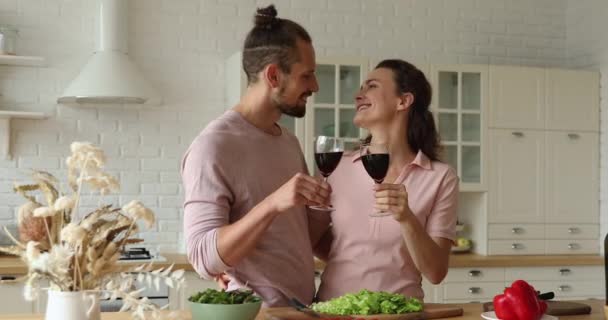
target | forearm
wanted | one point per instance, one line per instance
(428, 256)
(235, 241)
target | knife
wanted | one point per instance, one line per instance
(303, 308)
(545, 296)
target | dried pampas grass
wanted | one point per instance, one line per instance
(76, 254)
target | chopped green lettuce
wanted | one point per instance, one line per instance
(367, 302)
(212, 296)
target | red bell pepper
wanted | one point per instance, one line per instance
(519, 302)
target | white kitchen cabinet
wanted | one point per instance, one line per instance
(543, 177)
(13, 301)
(516, 246)
(572, 231)
(516, 180)
(472, 284)
(569, 246)
(517, 97)
(459, 106)
(516, 231)
(572, 177)
(572, 100)
(567, 282)
(544, 162)
(481, 291)
(537, 98)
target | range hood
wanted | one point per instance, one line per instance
(110, 76)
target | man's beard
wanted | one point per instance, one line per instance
(293, 110)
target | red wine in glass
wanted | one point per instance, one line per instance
(375, 160)
(327, 162)
(376, 165)
(328, 152)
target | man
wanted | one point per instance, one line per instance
(245, 182)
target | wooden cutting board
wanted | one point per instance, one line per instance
(556, 308)
(431, 311)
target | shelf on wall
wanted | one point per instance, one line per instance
(25, 61)
(5, 127)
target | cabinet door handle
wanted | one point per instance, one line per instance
(7, 278)
(564, 272)
(574, 230)
(474, 290)
(573, 246)
(573, 136)
(474, 273)
(518, 134)
(517, 246)
(517, 230)
(563, 288)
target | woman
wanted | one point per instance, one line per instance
(391, 253)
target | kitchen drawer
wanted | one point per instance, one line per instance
(572, 247)
(567, 273)
(568, 289)
(474, 274)
(516, 247)
(472, 291)
(516, 231)
(572, 231)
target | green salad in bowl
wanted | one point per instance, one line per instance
(224, 305)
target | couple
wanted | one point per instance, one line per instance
(247, 189)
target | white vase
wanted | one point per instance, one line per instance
(76, 305)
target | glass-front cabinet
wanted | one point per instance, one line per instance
(333, 108)
(459, 107)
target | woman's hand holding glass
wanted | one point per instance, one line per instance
(393, 198)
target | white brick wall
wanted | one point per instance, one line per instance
(181, 45)
(588, 48)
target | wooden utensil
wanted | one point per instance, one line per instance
(431, 311)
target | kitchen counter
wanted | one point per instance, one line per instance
(475, 260)
(464, 260)
(13, 265)
(472, 311)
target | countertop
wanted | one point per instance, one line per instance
(11, 265)
(14, 266)
(472, 311)
(465, 260)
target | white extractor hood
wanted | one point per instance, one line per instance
(110, 76)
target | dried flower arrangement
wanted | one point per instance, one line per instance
(81, 254)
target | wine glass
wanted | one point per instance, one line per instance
(375, 160)
(328, 152)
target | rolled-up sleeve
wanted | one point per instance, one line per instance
(442, 219)
(207, 200)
